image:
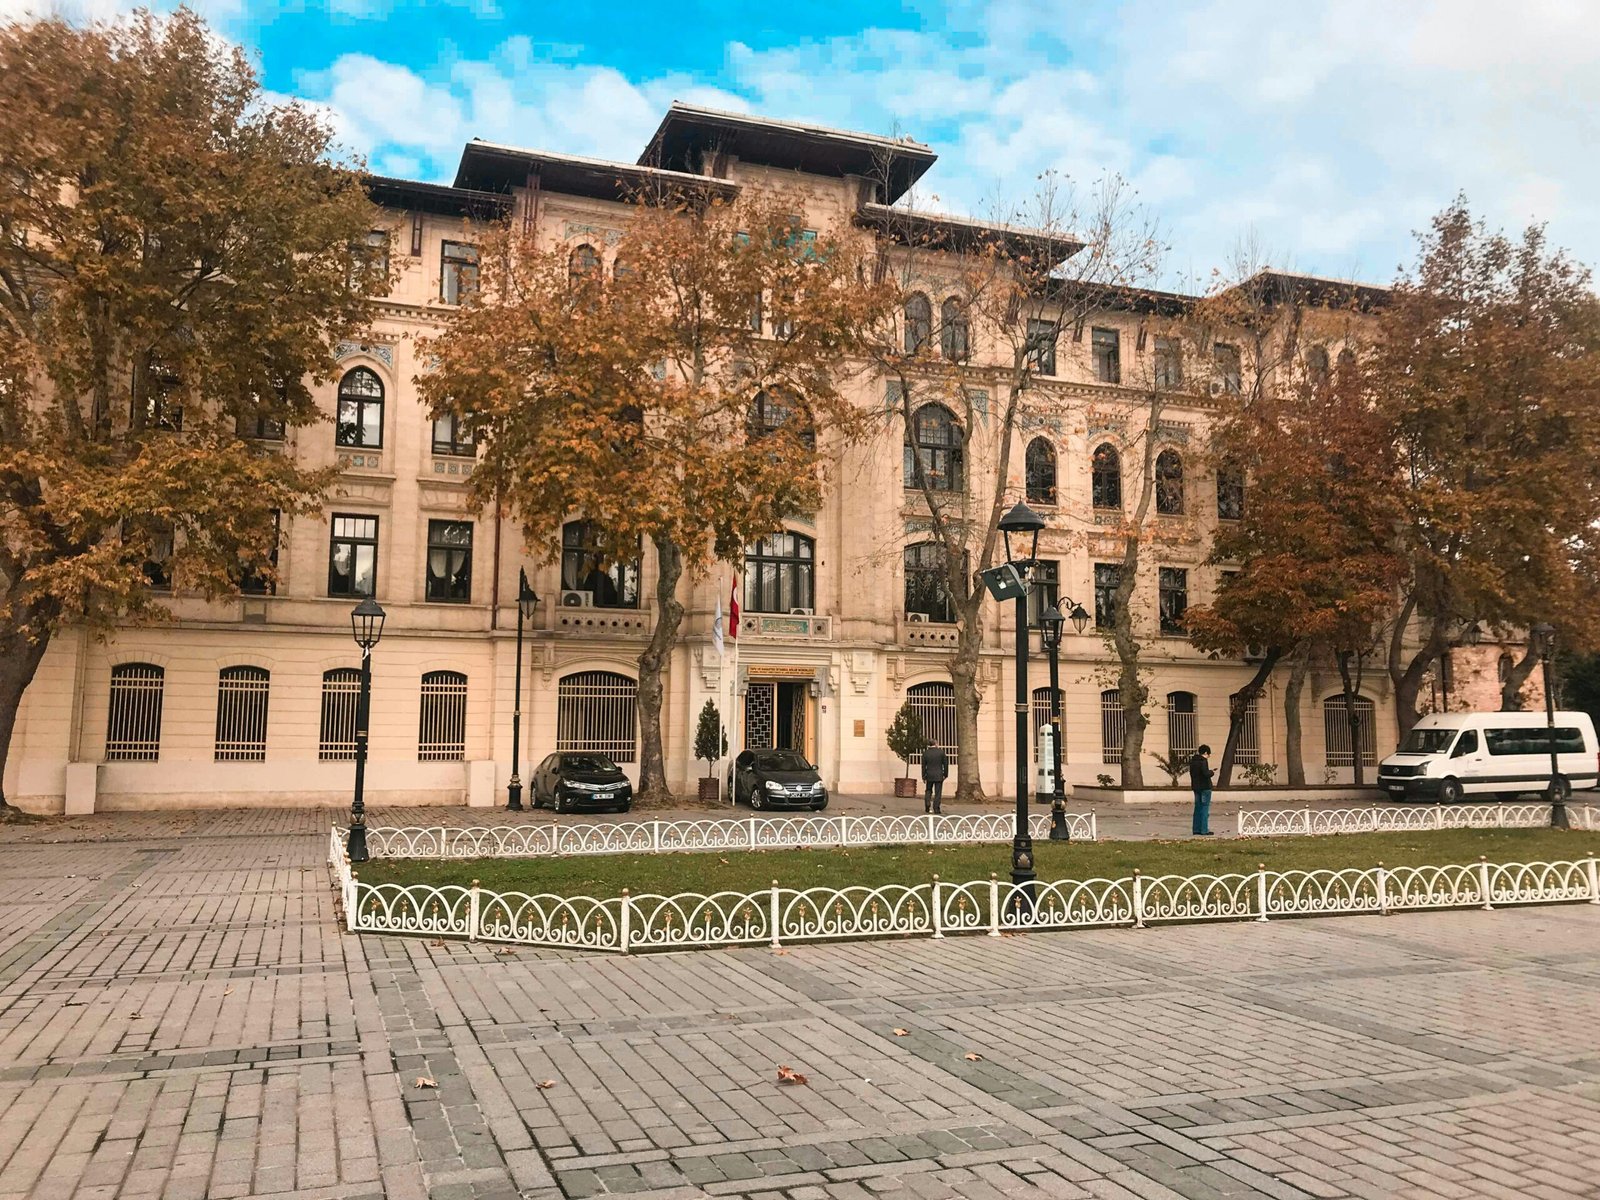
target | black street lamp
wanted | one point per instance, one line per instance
(366, 624)
(1025, 524)
(1051, 624)
(527, 601)
(1544, 640)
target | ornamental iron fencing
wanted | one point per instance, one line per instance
(778, 915)
(1278, 822)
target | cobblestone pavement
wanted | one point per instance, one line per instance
(181, 1017)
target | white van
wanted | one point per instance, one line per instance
(1449, 756)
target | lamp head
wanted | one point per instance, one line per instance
(1050, 623)
(1079, 618)
(366, 623)
(1544, 637)
(527, 600)
(1022, 521)
(1472, 634)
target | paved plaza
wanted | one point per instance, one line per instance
(181, 1016)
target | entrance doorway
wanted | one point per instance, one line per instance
(777, 716)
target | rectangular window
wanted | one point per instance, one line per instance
(353, 556)
(1174, 584)
(1169, 363)
(1107, 578)
(1042, 346)
(242, 714)
(1230, 495)
(442, 734)
(378, 251)
(1107, 347)
(1337, 751)
(451, 436)
(252, 584)
(449, 579)
(1043, 591)
(458, 272)
(1228, 367)
(1248, 752)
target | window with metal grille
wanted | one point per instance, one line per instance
(1247, 752)
(1041, 718)
(1106, 476)
(1040, 472)
(1169, 484)
(936, 454)
(597, 711)
(778, 573)
(458, 271)
(927, 589)
(1107, 578)
(1111, 726)
(583, 263)
(1174, 596)
(1169, 363)
(341, 692)
(1336, 732)
(133, 721)
(1183, 725)
(242, 714)
(449, 577)
(359, 422)
(442, 733)
(935, 704)
(1107, 347)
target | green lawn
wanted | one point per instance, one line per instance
(603, 876)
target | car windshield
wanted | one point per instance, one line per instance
(1428, 741)
(587, 762)
(783, 760)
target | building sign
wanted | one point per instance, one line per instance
(775, 671)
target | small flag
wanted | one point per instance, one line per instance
(716, 628)
(733, 610)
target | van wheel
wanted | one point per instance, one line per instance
(1450, 792)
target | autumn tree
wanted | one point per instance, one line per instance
(979, 309)
(690, 397)
(175, 267)
(1486, 369)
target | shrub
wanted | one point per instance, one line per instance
(905, 736)
(710, 743)
(1260, 774)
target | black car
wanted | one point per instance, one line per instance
(776, 779)
(571, 781)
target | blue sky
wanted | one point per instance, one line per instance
(1321, 133)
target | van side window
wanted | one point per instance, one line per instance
(1467, 745)
(1533, 740)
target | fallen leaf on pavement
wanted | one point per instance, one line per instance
(436, 942)
(227, 992)
(505, 950)
(424, 1082)
(974, 1058)
(546, 1084)
(790, 1075)
(901, 1032)
(780, 952)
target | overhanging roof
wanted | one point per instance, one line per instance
(495, 168)
(688, 132)
(1281, 287)
(415, 196)
(936, 231)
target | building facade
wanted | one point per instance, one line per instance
(251, 700)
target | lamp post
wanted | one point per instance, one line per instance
(1544, 638)
(527, 601)
(366, 624)
(1025, 524)
(1051, 623)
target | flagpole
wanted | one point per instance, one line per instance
(735, 725)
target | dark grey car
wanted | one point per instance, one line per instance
(572, 780)
(776, 779)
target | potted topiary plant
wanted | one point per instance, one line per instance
(906, 742)
(710, 743)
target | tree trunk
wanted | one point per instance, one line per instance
(1511, 686)
(964, 679)
(1238, 704)
(1295, 762)
(19, 661)
(1407, 677)
(653, 664)
(1352, 688)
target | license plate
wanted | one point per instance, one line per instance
(1395, 787)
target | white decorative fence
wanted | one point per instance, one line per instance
(779, 915)
(754, 833)
(1397, 819)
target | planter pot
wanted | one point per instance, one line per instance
(710, 788)
(904, 787)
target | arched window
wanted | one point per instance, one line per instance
(919, 323)
(935, 704)
(1183, 733)
(1040, 469)
(777, 409)
(242, 714)
(955, 333)
(1505, 666)
(341, 692)
(1111, 726)
(583, 263)
(940, 459)
(585, 569)
(927, 589)
(1169, 484)
(1336, 732)
(1106, 476)
(621, 268)
(1041, 718)
(1230, 494)
(360, 418)
(596, 711)
(1317, 365)
(778, 574)
(133, 718)
(442, 731)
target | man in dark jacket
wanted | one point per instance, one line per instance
(1200, 781)
(935, 766)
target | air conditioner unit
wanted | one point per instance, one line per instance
(917, 618)
(1216, 387)
(577, 599)
(802, 612)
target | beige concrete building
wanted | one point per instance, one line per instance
(251, 701)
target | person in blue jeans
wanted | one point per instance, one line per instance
(1200, 781)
